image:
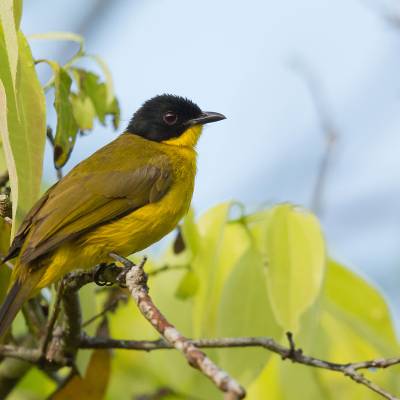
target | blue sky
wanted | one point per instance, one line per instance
(237, 58)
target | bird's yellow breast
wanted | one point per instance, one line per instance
(140, 228)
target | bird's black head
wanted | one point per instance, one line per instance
(165, 117)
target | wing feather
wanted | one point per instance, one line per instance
(93, 194)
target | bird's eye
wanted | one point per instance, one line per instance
(170, 118)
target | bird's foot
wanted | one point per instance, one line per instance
(107, 274)
(99, 272)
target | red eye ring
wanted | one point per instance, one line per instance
(170, 118)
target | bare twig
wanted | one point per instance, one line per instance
(53, 319)
(330, 133)
(5, 206)
(172, 339)
(73, 322)
(166, 268)
(290, 353)
(136, 280)
(50, 137)
(109, 307)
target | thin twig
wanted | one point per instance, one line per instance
(136, 280)
(329, 130)
(172, 339)
(166, 268)
(111, 306)
(5, 206)
(347, 369)
(53, 319)
(73, 322)
(50, 137)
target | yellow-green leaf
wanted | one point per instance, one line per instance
(87, 297)
(359, 305)
(296, 262)
(244, 310)
(187, 286)
(83, 110)
(22, 127)
(67, 127)
(10, 35)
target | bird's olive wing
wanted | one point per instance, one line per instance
(81, 202)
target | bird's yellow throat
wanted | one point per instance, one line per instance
(188, 138)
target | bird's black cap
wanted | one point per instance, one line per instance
(167, 116)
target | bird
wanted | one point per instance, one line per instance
(124, 197)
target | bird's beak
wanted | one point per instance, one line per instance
(205, 118)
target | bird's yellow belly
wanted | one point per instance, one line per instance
(125, 236)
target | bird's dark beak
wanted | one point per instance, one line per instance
(205, 118)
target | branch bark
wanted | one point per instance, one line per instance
(287, 353)
(136, 281)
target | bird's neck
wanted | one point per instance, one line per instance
(188, 138)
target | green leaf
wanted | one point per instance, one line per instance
(22, 127)
(83, 110)
(205, 264)
(96, 91)
(187, 286)
(10, 37)
(108, 78)
(87, 297)
(3, 164)
(67, 127)
(17, 13)
(60, 36)
(100, 94)
(296, 262)
(244, 310)
(360, 306)
(115, 112)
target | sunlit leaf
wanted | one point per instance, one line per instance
(10, 38)
(267, 385)
(3, 165)
(360, 305)
(108, 77)
(87, 297)
(17, 13)
(188, 285)
(296, 263)
(59, 36)
(83, 110)
(245, 311)
(205, 264)
(96, 91)
(22, 127)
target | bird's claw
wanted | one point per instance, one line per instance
(98, 271)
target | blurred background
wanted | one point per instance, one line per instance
(311, 90)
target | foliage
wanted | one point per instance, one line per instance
(258, 275)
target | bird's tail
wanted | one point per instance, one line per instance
(19, 292)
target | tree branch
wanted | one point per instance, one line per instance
(136, 281)
(287, 353)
